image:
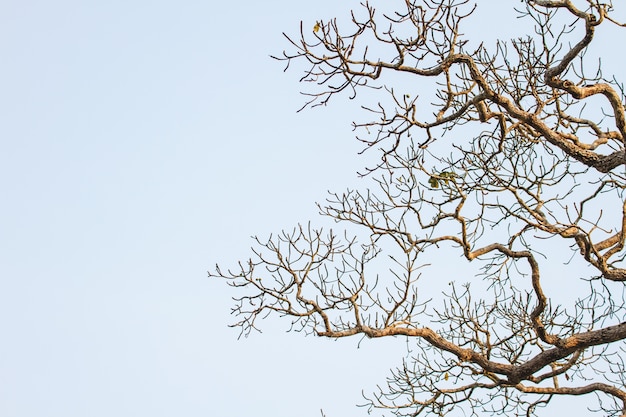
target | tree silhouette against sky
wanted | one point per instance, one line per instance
(511, 164)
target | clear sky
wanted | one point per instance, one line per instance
(141, 143)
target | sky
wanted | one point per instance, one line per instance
(142, 142)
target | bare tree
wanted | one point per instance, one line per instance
(518, 159)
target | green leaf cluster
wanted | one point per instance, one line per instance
(446, 176)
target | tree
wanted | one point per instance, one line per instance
(515, 164)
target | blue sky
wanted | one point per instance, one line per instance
(141, 143)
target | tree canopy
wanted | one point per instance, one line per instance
(515, 165)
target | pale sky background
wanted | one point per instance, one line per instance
(141, 143)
